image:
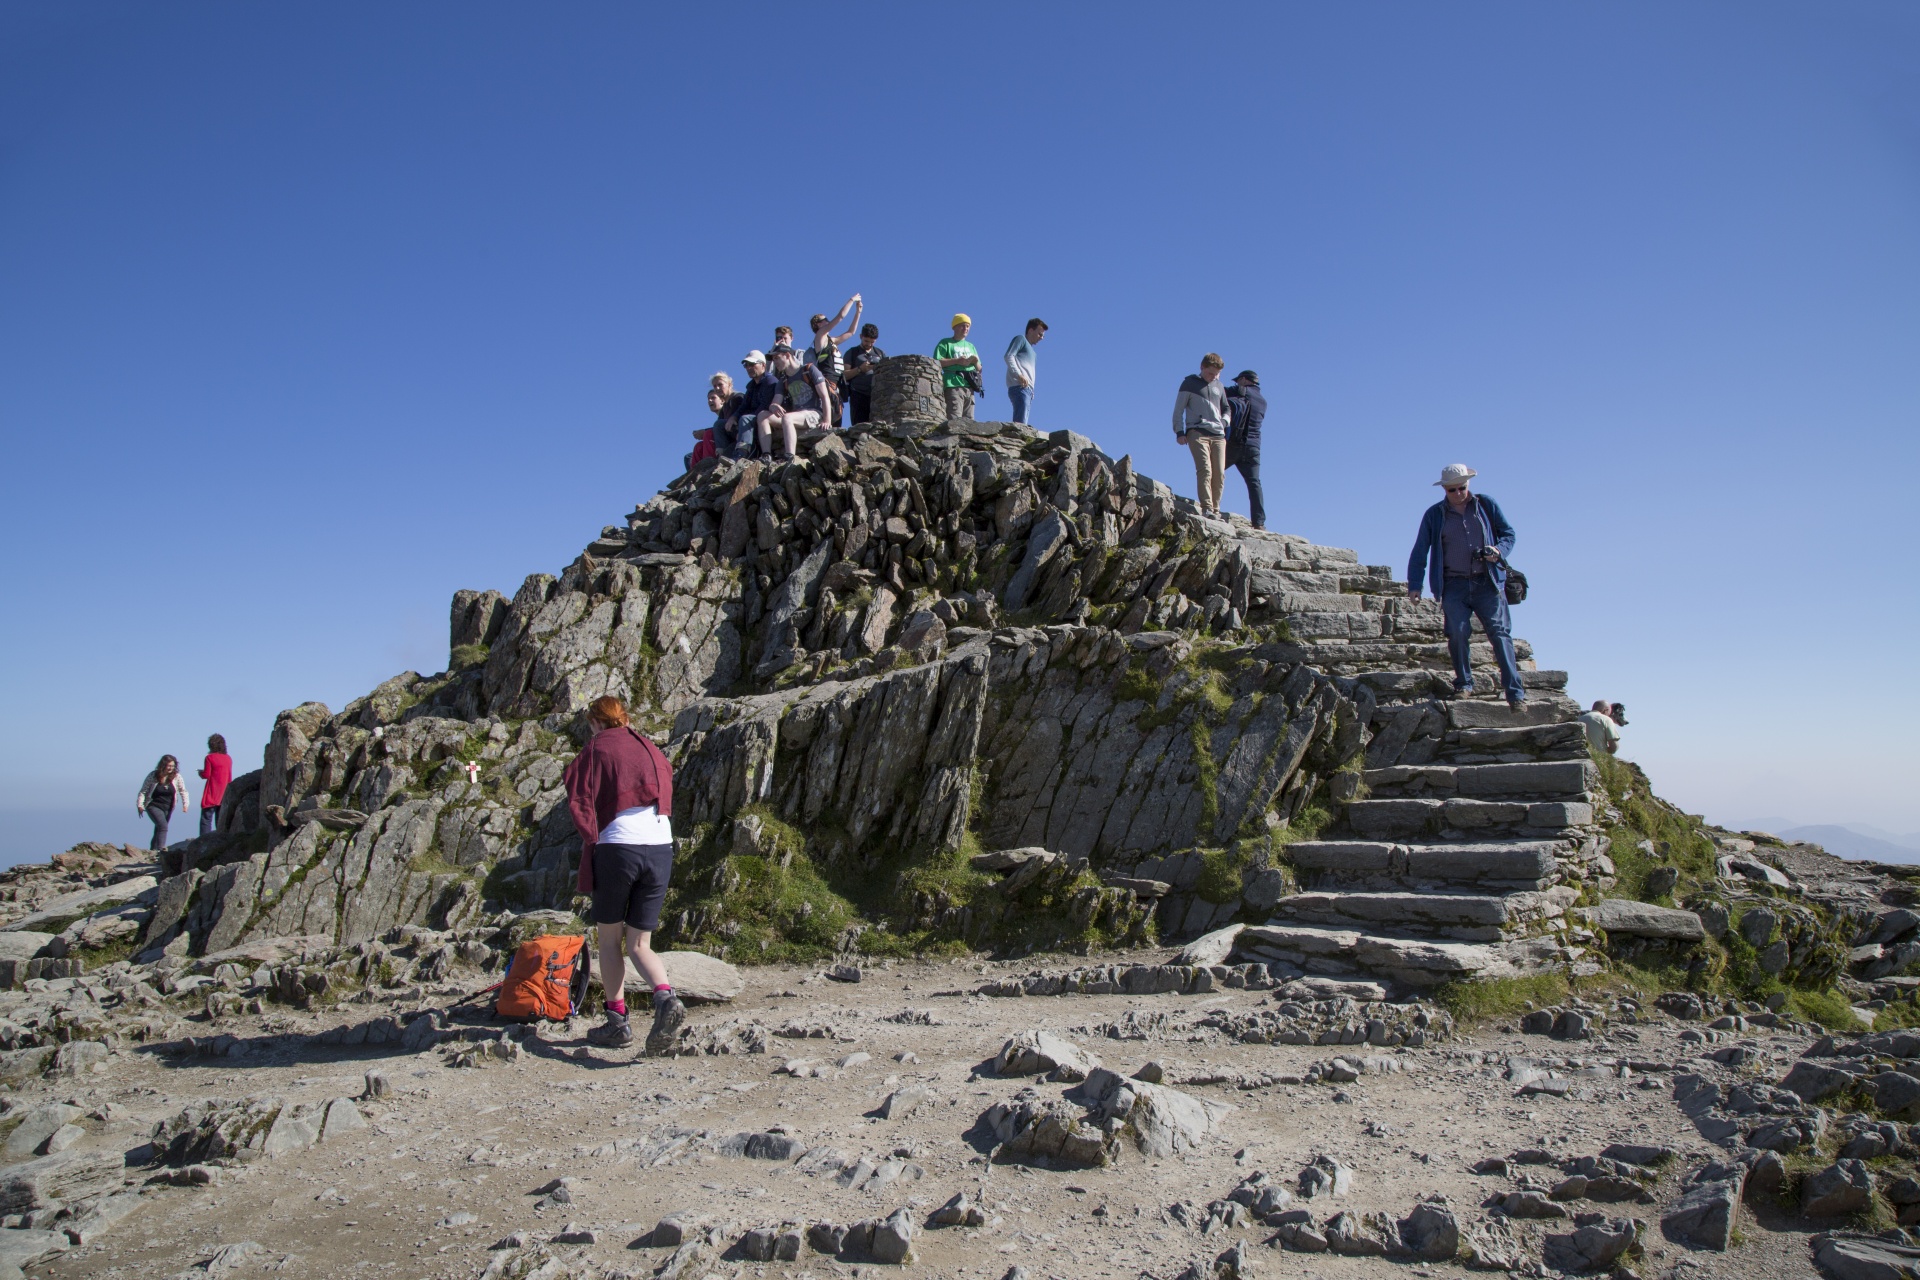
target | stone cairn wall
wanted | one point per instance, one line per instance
(902, 666)
(907, 389)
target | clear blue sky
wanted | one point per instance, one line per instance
(312, 314)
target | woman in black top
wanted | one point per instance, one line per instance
(162, 792)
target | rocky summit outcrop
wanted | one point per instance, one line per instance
(964, 682)
(922, 641)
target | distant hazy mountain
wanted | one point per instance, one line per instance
(1850, 842)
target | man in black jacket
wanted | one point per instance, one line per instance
(1248, 409)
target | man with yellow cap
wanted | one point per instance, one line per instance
(959, 368)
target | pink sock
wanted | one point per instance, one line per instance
(663, 990)
(617, 1006)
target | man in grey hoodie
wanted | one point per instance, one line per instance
(1200, 420)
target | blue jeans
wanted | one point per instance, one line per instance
(1463, 600)
(209, 818)
(1247, 461)
(159, 818)
(1022, 398)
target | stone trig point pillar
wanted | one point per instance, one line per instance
(907, 389)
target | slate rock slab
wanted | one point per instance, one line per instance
(1644, 920)
(1851, 1257)
(702, 979)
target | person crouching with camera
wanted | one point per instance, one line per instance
(1461, 552)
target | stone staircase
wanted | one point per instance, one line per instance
(1460, 847)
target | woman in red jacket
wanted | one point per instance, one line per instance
(620, 791)
(217, 770)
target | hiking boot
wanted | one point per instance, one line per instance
(669, 1016)
(1514, 704)
(616, 1033)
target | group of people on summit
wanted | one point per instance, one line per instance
(1460, 550)
(827, 383)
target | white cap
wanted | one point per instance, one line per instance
(755, 357)
(1455, 473)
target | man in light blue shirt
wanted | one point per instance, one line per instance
(1020, 369)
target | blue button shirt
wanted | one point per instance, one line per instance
(1460, 537)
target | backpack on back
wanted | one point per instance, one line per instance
(547, 979)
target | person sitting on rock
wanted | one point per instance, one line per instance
(761, 393)
(800, 406)
(1461, 550)
(620, 792)
(1602, 733)
(860, 362)
(726, 404)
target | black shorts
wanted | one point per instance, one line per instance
(630, 883)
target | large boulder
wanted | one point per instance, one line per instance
(1210, 948)
(1896, 1093)
(1705, 1214)
(702, 978)
(1032, 1130)
(1845, 1186)
(22, 944)
(1590, 1248)
(1162, 1120)
(1036, 1052)
(38, 1124)
(69, 1175)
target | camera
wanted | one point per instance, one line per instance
(1489, 554)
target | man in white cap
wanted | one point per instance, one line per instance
(1462, 553)
(761, 392)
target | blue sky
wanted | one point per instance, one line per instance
(313, 314)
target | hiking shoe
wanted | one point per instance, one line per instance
(615, 1033)
(669, 1016)
(1514, 704)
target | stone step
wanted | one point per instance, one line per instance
(1395, 655)
(1503, 866)
(1540, 738)
(1417, 962)
(1410, 818)
(1410, 961)
(1467, 917)
(1491, 713)
(1538, 779)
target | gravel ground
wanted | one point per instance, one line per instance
(453, 1159)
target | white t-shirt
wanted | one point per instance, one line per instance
(1602, 732)
(641, 825)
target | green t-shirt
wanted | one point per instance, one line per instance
(955, 349)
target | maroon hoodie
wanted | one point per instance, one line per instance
(618, 769)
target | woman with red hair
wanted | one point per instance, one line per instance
(620, 792)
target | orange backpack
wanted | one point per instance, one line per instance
(547, 979)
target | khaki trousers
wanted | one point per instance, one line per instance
(1209, 469)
